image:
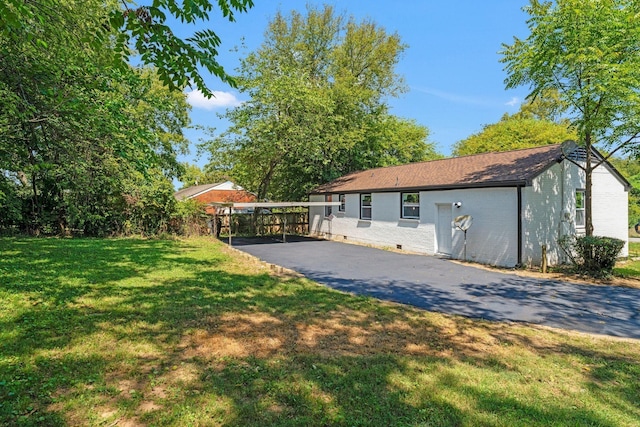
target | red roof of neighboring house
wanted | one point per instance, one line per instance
(218, 192)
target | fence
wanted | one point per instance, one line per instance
(265, 224)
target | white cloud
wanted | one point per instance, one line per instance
(219, 100)
(513, 102)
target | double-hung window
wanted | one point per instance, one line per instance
(580, 208)
(365, 206)
(342, 198)
(411, 205)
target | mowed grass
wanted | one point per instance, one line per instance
(188, 333)
(631, 267)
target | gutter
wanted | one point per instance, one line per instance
(519, 191)
(502, 184)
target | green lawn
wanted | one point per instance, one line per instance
(630, 268)
(187, 333)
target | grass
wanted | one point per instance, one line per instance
(188, 333)
(630, 268)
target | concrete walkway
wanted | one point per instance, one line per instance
(440, 285)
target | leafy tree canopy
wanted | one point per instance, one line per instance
(586, 50)
(318, 87)
(82, 141)
(142, 31)
(193, 175)
(512, 133)
(537, 123)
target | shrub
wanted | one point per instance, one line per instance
(593, 255)
(190, 218)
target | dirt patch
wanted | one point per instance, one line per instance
(346, 333)
(560, 275)
(148, 406)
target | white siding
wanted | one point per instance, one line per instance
(492, 238)
(553, 193)
(610, 207)
(543, 204)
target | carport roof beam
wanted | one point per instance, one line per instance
(242, 205)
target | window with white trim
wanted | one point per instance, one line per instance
(411, 205)
(365, 206)
(580, 208)
(328, 210)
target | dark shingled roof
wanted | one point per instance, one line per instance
(507, 168)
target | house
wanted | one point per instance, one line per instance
(221, 192)
(512, 202)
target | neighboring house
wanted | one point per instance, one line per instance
(221, 192)
(518, 201)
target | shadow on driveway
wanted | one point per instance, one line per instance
(440, 285)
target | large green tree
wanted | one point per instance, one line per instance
(538, 122)
(587, 50)
(318, 87)
(142, 31)
(512, 133)
(75, 130)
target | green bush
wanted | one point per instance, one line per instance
(190, 218)
(592, 255)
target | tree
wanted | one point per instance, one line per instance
(176, 60)
(76, 130)
(587, 50)
(538, 122)
(193, 175)
(512, 133)
(546, 105)
(318, 87)
(142, 31)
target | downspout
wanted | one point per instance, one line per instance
(563, 204)
(519, 190)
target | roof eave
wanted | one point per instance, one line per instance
(510, 183)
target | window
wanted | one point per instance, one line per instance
(365, 206)
(343, 202)
(580, 208)
(328, 210)
(411, 205)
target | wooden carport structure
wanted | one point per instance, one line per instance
(230, 206)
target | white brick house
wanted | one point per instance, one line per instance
(518, 200)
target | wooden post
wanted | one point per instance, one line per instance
(544, 259)
(284, 227)
(229, 218)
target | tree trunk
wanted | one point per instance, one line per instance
(587, 191)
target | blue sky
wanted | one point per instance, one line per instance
(451, 65)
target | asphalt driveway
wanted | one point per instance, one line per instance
(440, 285)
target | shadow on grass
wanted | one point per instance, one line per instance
(173, 333)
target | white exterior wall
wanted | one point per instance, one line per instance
(492, 239)
(610, 207)
(553, 193)
(493, 236)
(543, 204)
